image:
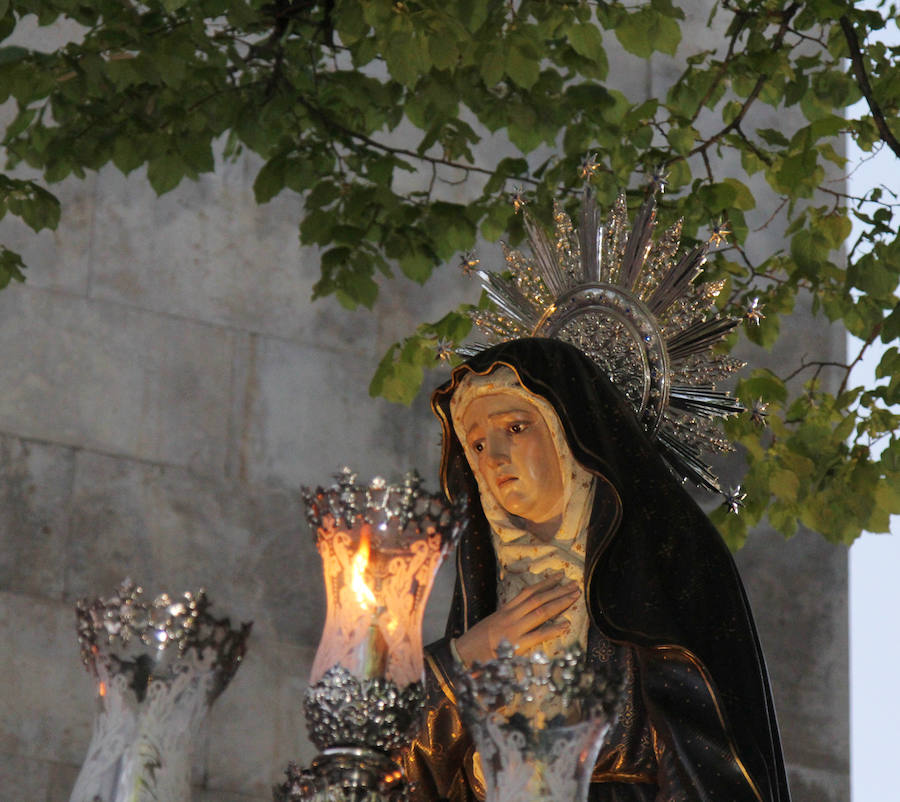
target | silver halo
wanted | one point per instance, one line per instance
(619, 333)
(630, 302)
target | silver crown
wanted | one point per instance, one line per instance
(405, 509)
(632, 305)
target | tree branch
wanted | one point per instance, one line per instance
(876, 330)
(818, 365)
(777, 42)
(333, 125)
(859, 70)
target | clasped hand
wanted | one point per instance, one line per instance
(525, 621)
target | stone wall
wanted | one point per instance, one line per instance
(166, 388)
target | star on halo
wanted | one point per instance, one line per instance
(589, 166)
(754, 312)
(659, 180)
(734, 499)
(720, 232)
(444, 349)
(518, 200)
(758, 413)
(468, 263)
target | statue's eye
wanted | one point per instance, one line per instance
(478, 447)
(517, 428)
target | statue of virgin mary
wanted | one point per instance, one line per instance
(579, 531)
(658, 593)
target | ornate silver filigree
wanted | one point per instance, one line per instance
(538, 723)
(159, 665)
(564, 684)
(405, 508)
(348, 773)
(631, 304)
(342, 710)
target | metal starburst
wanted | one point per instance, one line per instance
(759, 413)
(444, 349)
(589, 166)
(754, 312)
(518, 199)
(734, 499)
(630, 302)
(468, 263)
(719, 233)
(659, 180)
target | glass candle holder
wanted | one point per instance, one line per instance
(381, 546)
(159, 665)
(538, 724)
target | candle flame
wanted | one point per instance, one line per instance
(361, 590)
(102, 689)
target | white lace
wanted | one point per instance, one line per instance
(552, 765)
(141, 752)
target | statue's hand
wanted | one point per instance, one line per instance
(525, 621)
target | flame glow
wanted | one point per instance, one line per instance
(361, 590)
(102, 689)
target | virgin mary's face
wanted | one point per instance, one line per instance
(514, 451)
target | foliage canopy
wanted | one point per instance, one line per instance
(349, 101)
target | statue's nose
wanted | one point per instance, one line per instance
(497, 449)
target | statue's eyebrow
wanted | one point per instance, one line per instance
(514, 411)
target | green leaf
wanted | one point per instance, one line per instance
(417, 266)
(443, 51)
(682, 139)
(316, 227)
(269, 180)
(743, 198)
(473, 13)
(891, 329)
(492, 65)
(399, 374)
(522, 67)
(11, 267)
(784, 484)
(11, 53)
(173, 5)
(646, 30)
(732, 527)
(873, 276)
(496, 221)
(587, 41)
(763, 384)
(165, 173)
(889, 364)
(783, 517)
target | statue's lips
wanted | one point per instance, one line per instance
(502, 480)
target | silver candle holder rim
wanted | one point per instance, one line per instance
(493, 685)
(405, 508)
(164, 623)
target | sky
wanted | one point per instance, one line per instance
(874, 586)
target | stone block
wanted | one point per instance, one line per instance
(821, 785)
(258, 724)
(798, 591)
(114, 379)
(35, 489)
(48, 696)
(208, 251)
(24, 779)
(172, 530)
(58, 259)
(310, 413)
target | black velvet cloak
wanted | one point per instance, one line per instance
(659, 582)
